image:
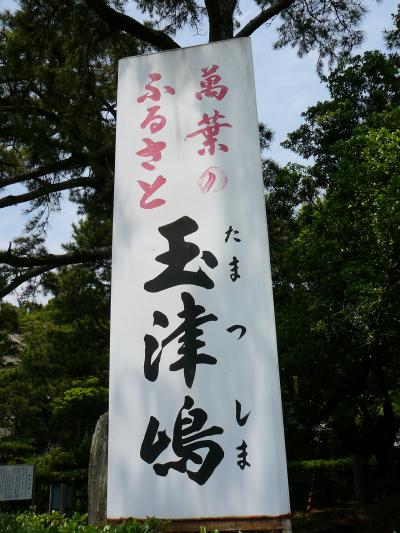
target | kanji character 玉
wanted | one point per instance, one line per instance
(179, 254)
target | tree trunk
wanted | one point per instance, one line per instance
(220, 16)
(97, 481)
(358, 477)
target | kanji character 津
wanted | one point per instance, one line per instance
(190, 344)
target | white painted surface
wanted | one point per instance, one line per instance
(246, 369)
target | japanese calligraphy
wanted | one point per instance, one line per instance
(193, 317)
(153, 93)
(209, 84)
(180, 253)
(213, 179)
(235, 269)
(156, 122)
(236, 327)
(242, 456)
(186, 441)
(241, 420)
(228, 234)
(152, 150)
(210, 132)
(191, 299)
(149, 190)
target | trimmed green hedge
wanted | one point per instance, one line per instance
(333, 484)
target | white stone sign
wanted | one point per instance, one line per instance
(16, 482)
(195, 408)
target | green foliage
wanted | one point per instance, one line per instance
(54, 522)
(333, 482)
(359, 87)
(15, 451)
(50, 402)
(9, 327)
(393, 36)
(337, 275)
(89, 396)
(8, 318)
(334, 234)
(57, 96)
(174, 14)
(314, 25)
(326, 27)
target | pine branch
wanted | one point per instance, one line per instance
(29, 109)
(263, 17)
(22, 278)
(44, 263)
(122, 22)
(51, 261)
(110, 108)
(47, 189)
(75, 161)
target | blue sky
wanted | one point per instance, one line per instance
(285, 85)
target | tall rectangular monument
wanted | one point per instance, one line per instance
(195, 408)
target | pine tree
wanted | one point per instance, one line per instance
(57, 101)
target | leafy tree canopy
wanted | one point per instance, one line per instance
(333, 225)
(58, 109)
(337, 279)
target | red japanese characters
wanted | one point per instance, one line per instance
(211, 124)
(210, 84)
(152, 151)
